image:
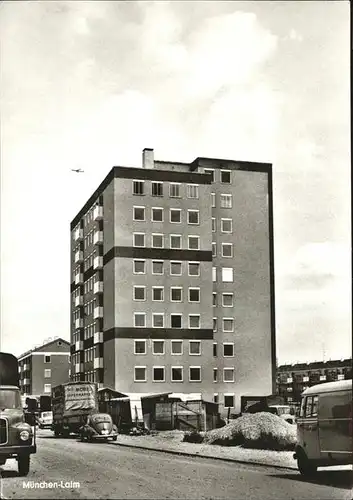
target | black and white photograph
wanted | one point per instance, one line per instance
(176, 302)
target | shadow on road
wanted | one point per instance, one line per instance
(8, 473)
(334, 478)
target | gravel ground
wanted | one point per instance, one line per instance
(172, 441)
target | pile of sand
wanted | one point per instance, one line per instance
(259, 430)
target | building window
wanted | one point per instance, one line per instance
(226, 225)
(139, 293)
(227, 249)
(228, 349)
(226, 201)
(229, 401)
(193, 242)
(175, 268)
(177, 374)
(157, 214)
(215, 349)
(214, 299)
(139, 267)
(158, 293)
(194, 295)
(158, 320)
(158, 374)
(139, 239)
(209, 171)
(194, 321)
(157, 240)
(175, 320)
(225, 176)
(195, 374)
(192, 191)
(214, 249)
(193, 217)
(228, 324)
(227, 274)
(227, 299)
(140, 320)
(176, 294)
(177, 347)
(213, 224)
(214, 274)
(140, 374)
(215, 374)
(215, 398)
(228, 374)
(138, 187)
(214, 323)
(140, 347)
(47, 373)
(157, 189)
(213, 199)
(175, 241)
(158, 346)
(174, 190)
(194, 268)
(47, 359)
(139, 213)
(195, 347)
(47, 388)
(157, 267)
(175, 215)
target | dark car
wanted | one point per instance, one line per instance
(99, 426)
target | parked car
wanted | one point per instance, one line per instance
(283, 411)
(45, 421)
(99, 426)
(324, 427)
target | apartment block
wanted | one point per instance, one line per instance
(293, 379)
(44, 367)
(172, 281)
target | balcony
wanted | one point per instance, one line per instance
(79, 345)
(26, 381)
(78, 256)
(98, 287)
(98, 338)
(322, 378)
(78, 367)
(305, 378)
(98, 212)
(98, 262)
(78, 323)
(289, 380)
(98, 312)
(79, 300)
(78, 279)
(98, 238)
(78, 234)
(25, 367)
(98, 363)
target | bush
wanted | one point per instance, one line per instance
(259, 430)
(192, 437)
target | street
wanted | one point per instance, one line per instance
(106, 470)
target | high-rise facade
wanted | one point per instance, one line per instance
(172, 280)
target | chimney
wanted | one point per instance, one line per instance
(147, 158)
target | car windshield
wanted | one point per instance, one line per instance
(282, 410)
(10, 399)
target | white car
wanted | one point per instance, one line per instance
(46, 420)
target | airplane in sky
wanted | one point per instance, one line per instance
(78, 170)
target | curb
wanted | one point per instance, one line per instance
(189, 454)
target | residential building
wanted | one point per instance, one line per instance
(44, 367)
(292, 380)
(172, 281)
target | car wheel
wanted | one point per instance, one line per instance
(306, 467)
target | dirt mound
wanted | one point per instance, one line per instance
(259, 430)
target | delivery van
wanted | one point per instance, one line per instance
(324, 427)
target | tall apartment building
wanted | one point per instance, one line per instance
(172, 280)
(44, 367)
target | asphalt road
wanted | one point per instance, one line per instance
(106, 470)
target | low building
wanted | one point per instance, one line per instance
(44, 367)
(292, 380)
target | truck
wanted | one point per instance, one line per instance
(75, 411)
(17, 429)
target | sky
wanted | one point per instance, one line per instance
(90, 84)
